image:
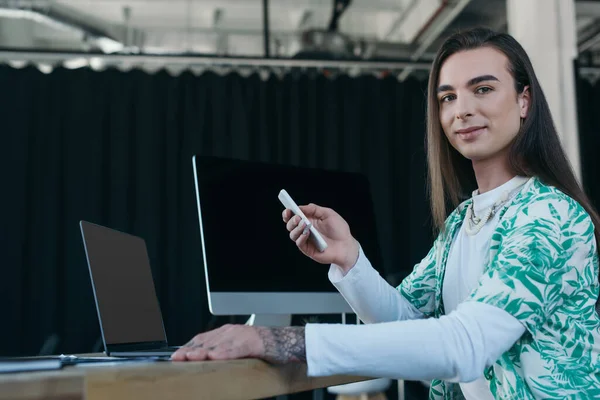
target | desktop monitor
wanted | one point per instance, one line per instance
(251, 265)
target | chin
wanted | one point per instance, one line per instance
(472, 154)
(475, 156)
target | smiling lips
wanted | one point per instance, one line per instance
(470, 132)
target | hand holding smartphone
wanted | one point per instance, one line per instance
(290, 204)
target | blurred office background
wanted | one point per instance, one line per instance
(103, 103)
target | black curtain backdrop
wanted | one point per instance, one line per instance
(115, 148)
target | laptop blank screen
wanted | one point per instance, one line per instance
(124, 289)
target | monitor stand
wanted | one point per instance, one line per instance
(269, 320)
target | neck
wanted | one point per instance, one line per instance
(491, 173)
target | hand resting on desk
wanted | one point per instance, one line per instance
(275, 345)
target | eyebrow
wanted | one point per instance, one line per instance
(471, 82)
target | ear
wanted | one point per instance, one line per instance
(524, 101)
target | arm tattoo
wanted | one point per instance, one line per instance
(283, 345)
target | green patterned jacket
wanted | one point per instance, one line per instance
(542, 268)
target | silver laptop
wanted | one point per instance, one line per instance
(130, 319)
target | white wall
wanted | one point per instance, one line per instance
(547, 31)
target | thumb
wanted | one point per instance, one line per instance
(314, 211)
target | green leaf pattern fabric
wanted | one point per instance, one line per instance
(542, 268)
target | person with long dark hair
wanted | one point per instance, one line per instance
(503, 305)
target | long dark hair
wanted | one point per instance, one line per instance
(535, 151)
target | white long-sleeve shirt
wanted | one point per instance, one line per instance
(397, 342)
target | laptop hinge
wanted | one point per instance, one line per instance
(121, 347)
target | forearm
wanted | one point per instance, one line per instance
(456, 347)
(283, 344)
(371, 297)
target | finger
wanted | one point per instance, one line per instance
(293, 223)
(197, 354)
(301, 240)
(298, 231)
(287, 214)
(179, 355)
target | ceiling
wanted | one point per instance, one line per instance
(367, 29)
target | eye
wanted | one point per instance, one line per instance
(447, 98)
(483, 90)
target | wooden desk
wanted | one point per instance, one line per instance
(214, 380)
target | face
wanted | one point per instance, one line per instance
(480, 110)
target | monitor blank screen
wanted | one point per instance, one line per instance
(247, 246)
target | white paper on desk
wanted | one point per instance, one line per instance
(101, 358)
(116, 361)
(24, 365)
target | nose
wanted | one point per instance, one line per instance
(464, 107)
